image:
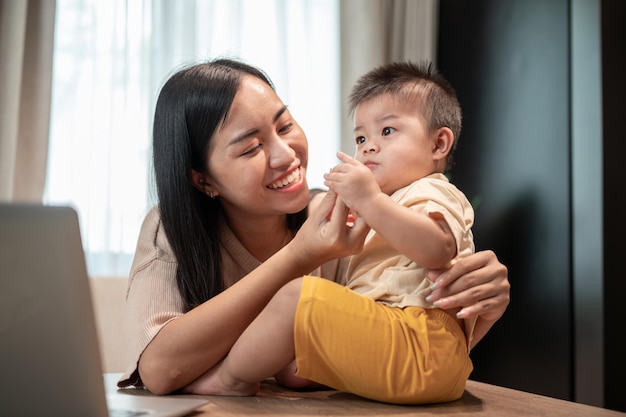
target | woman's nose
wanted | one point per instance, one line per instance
(281, 154)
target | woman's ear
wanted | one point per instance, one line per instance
(443, 143)
(201, 182)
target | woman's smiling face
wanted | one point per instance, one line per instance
(258, 156)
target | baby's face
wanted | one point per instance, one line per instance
(393, 141)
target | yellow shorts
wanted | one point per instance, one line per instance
(349, 342)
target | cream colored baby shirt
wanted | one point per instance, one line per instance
(382, 273)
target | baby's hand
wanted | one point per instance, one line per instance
(352, 181)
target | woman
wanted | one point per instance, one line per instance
(231, 228)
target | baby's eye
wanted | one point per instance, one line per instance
(360, 140)
(387, 131)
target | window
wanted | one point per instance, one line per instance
(112, 57)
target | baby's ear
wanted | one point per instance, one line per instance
(443, 143)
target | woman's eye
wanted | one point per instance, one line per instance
(387, 131)
(252, 151)
(360, 140)
(286, 128)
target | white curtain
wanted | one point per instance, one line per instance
(110, 59)
(376, 32)
(26, 33)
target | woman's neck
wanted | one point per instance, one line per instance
(262, 237)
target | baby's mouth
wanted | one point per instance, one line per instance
(289, 179)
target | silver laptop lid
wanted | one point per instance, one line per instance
(49, 355)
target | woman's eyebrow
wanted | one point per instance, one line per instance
(253, 132)
(242, 136)
(280, 113)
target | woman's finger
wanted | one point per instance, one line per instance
(324, 208)
(358, 232)
(488, 300)
(478, 284)
(464, 267)
(490, 309)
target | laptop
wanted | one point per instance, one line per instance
(49, 356)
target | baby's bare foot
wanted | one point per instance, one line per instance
(240, 389)
(216, 382)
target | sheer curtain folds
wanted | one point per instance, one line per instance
(110, 59)
(26, 42)
(376, 32)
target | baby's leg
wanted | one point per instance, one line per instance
(262, 350)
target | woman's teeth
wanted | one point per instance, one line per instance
(294, 176)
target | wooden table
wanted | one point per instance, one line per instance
(480, 399)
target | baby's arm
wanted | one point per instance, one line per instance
(426, 239)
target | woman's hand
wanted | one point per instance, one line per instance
(478, 284)
(330, 232)
(316, 199)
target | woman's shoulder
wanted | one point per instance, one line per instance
(153, 242)
(152, 219)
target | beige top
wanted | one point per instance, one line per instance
(153, 298)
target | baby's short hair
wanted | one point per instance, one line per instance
(417, 83)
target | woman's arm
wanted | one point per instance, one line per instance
(479, 285)
(188, 346)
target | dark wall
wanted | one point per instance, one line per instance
(508, 61)
(614, 152)
(512, 65)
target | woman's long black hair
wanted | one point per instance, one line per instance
(191, 105)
